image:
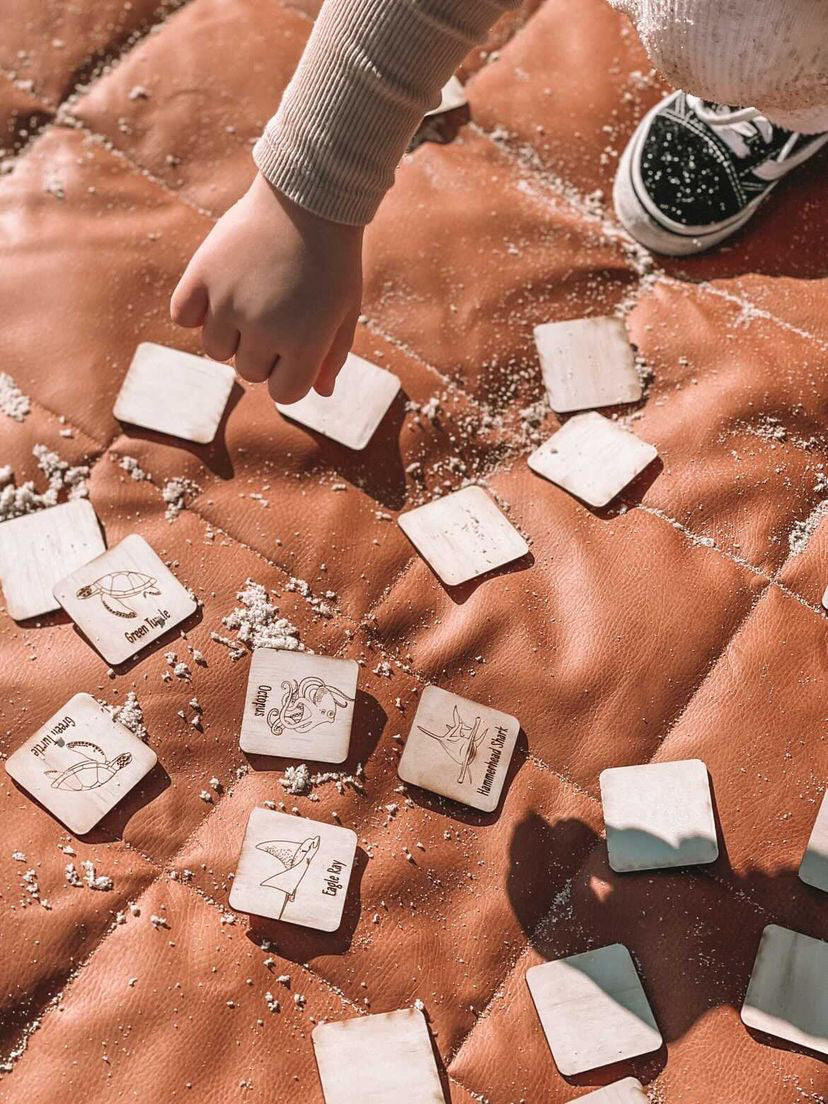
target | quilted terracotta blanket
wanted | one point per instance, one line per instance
(681, 622)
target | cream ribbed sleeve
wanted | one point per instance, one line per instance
(370, 71)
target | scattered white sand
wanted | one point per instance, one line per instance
(13, 403)
(178, 493)
(130, 715)
(257, 624)
(16, 501)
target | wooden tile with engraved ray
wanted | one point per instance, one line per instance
(294, 869)
(174, 392)
(659, 815)
(459, 749)
(125, 599)
(463, 535)
(788, 991)
(628, 1091)
(593, 1009)
(361, 398)
(592, 457)
(37, 550)
(299, 705)
(378, 1058)
(80, 763)
(814, 867)
(587, 362)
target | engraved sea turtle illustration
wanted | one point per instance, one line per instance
(92, 769)
(116, 586)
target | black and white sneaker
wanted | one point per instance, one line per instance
(694, 172)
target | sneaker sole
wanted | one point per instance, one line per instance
(640, 224)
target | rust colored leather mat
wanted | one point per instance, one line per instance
(682, 621)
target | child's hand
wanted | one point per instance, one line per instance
(279, 288)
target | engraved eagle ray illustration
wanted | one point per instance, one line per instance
(116, 586)
(293, 859)
(460, 742)
(92, 770)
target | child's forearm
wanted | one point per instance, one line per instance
(371, 70)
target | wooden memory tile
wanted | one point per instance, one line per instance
(459, 749)
(299, 705)
(80, 763)
(628, 1091)
(593, 1009)
(788, 991)
(174, 392)
(351, 415)
(592, 457)
(378, 1058)
(587, 362)
(814, 867)
(37, 550)
(294, 869)
(452, 96)
(463, 535)
(124, 599)
(659, 815)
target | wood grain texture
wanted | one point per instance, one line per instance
(80, 763)
(459, 749)
(593, 1009)
(659, 815)
(587, 362)
(463, 535)
(592, 458)
(38, 549)
(299, 705)
(376, 1059)
(294, 869)
(174, 392)
(351, 415)
(788, 991)
(124, 599)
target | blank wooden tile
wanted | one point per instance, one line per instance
(360, 401)
(174, 392)
(80, 763)
(587, 362)
(459, 749)
(38, 549)
(788, 991)
(628, 1091)
(294, 869)
(299, 705)
(593, 1009)
(592, 458)
(463, 535)
(378, 1059)
(124, 599)
(814, 868)
(659, 815)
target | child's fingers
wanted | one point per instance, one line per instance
(335, 358)
(293, 374)
(219, 338)
(254, 358)
(189, 303)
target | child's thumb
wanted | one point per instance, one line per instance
(189, 302)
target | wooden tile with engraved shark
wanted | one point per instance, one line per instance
(459, 749)
(294, 869)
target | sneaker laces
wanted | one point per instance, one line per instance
(737, 126)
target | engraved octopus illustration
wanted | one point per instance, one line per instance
(293, 859)
(114, 588)
(92, 770)
(306, 705)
